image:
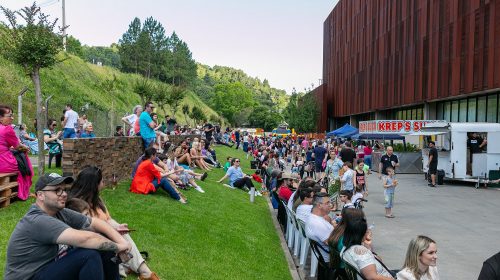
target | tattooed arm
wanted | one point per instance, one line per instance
(103, 238)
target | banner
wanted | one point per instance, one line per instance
(393, 126)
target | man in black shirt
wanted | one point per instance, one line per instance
(491, 269)
(208, 128)
(475, 144)
(387, 160)
(433, 162)
(347, 154)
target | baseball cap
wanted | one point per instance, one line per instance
(52, 179)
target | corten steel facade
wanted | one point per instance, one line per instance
(386, 54)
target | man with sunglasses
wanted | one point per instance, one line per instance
(147, 125)
(32, 252)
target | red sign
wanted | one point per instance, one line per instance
(393, 126)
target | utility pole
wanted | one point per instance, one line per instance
(64, 23)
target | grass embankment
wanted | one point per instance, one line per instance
(78, 82)
(217, 235)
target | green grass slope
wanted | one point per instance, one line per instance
(217, 235)
(78, 82)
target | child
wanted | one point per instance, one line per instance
(345, 197)
(390, 184)
(227, 164)
(357, 195)
(361, 177)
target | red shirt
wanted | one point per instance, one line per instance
(144, 176)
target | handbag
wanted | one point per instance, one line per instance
(22, 163)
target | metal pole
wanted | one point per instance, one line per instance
(64, 22)
(20, 105)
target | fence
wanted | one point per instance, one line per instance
(104, 122)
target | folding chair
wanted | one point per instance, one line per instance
(304, 245)
(352, 273)
(322, 267)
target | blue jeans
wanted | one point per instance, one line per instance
(368, 160)
(69, 133)
(81, 263)
(148, 141)
(165, 185)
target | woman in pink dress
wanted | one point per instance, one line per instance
(8, 143)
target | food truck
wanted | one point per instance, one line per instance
(454, 156)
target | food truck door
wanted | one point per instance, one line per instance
(458, 154)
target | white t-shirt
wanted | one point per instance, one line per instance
(132, 119)
(290, 201)
(356, 196)
(303, 212)
(406, 274)
(319, 229)
(360, 257)
(71, 119)
(347, 178)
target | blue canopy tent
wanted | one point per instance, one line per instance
(345, 131)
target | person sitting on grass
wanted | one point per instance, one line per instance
(32, 251)
(88, 131)
(227, 164)
(182, 154)
(86, 187)
(237, 179)
(148, 179)
(195, 153)
(180, 175)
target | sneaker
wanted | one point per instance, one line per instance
(229, 186)
(204, 176)
(199, 189)
(257, 193)
(245, 189)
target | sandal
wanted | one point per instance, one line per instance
(389, 216)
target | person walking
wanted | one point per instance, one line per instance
(70, 122)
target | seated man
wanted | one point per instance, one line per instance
(304, 210)
(32, 252)
(317, 228)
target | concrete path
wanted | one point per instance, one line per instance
(464, 222)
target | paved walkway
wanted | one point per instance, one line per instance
(463, 221)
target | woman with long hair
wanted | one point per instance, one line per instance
(196, 156)
(9, 144)
(358, 255)
(86, 187)
(420, 261)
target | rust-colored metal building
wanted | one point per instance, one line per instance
(411, 59)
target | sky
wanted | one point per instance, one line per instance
(281, 40)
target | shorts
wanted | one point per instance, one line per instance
(389, 199)
(148, 141)
(433, 169)
(318, 167)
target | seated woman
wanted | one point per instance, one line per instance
(9, 143)
(29, 140)
(178, 174)
(182, 154)
(196, 156)
(209, 155)
(148, 179)
(88, 131)
(236, 177)
(360, 257)
(86, 187)
(420, 261)
(52, 139)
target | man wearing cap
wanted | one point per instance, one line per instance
(147, 125)
(32, 252)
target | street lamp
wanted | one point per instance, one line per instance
(20, 105)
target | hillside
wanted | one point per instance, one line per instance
(80, 83)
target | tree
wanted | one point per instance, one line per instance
(229, 99)
(177, 94)
(264, 117)
(109, 86)
(128, 47)
(302, 112)
(197, 114)
(186, 110)
(73, 46)
(161, 96)
(144, 89)
(181, 69)
(33, 45)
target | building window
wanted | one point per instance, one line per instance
(454, 111)
(462, 111)
(471, 112)
(481, 109)
(491, 113)
(447, 111)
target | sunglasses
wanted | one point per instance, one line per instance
(236, 161)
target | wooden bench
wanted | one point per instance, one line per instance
(8, 188)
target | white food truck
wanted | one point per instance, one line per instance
(454, 155)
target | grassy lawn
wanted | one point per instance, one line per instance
(217, 235)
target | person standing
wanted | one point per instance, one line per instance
(70, 122)
(387, 160)
(132, 119)
(237, 138)
(433, 163)
(320, 155)
(147, 125)
(347, 154)
(208, 128)
(475, 144)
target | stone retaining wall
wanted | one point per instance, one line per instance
(115, 156)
